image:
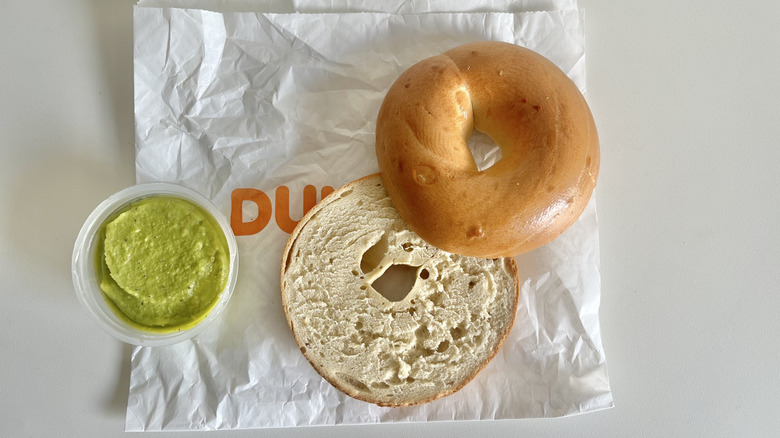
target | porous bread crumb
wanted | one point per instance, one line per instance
(410, 351)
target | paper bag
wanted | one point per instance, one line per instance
(261, 112)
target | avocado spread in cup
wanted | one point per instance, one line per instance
(162, 263)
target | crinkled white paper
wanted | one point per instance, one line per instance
(385, 6)
(258, 100)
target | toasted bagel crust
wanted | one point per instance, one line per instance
(529, 107)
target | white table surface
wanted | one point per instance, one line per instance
(687, 101)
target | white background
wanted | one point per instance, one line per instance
(687, 101)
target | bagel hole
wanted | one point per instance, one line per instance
(484, 150)
(396, 282)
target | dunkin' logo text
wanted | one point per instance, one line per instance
(240, 198)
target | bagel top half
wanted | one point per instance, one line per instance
(536, 115)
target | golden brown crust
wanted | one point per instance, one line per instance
(529, 107)
(512, 266)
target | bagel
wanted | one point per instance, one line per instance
(396, 351)
(535, 114)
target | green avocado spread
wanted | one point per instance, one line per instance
(162, 263)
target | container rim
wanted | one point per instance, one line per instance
(85, 277)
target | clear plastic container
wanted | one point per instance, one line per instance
(85, 278)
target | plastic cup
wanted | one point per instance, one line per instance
(85, 278)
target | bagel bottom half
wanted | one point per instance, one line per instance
(384, 349)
